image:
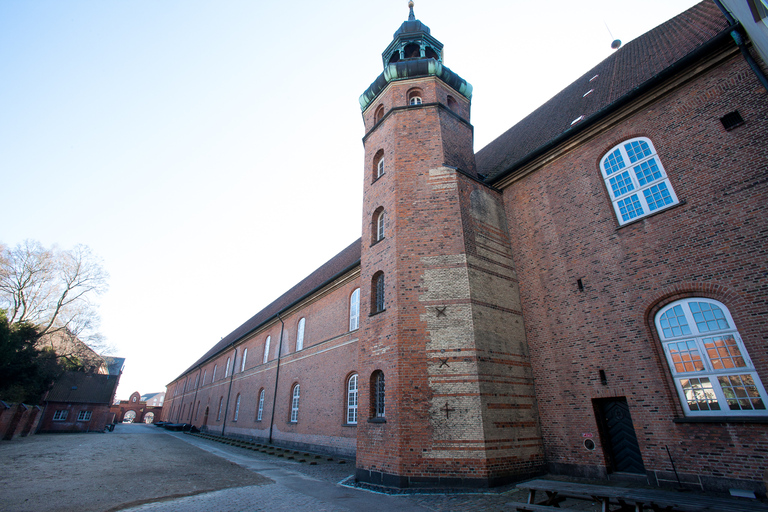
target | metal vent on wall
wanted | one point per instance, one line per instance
(732, 120)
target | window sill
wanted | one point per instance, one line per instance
(722, 419)
(353, 425)
(377, 241)
(377, 178)
(377, 312)
(679, 203)
(377, 420)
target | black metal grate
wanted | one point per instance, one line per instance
(732, 120)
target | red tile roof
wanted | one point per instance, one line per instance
(343, 262)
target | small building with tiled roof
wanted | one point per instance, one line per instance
(584, 296)
(79, 402)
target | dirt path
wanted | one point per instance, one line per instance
(100, 472)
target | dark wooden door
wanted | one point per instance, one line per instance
(619, 433)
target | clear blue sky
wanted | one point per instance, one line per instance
(210, 152)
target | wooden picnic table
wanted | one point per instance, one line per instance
(637, 498)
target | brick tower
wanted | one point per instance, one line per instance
(446, 390)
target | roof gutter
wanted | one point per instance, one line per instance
(737, 37)
(619, 103)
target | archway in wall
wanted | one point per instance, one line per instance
(129, 417)
(149, 417)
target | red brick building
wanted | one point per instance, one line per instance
(585, 295)
(137, 409)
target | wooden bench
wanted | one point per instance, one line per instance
(639, 499)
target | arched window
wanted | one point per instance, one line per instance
(245, 356)
(352, 399)
(709, 363)
(266, 349)
(377, 225)
(452, 103)
(237, 408)
(641, 190)
(226, 370)
(221, 405)
(414, 97)
(378, 164)
(205, 372)
(213, 377)
(379, 115)
(197, 379)
(377, 293)
(300, 335)
(295, 404)
(260, 412)
(377, 394)
(354, 310)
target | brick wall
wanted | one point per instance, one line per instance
(712, 245)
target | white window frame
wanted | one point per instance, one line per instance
(354, 310)
(622, 178)
(689, 357)
(295, 404)
(245, 356)
(221, 408)
(226, 370)
(266, 349)
(380, 168)
(415, 100)
(380, 226)
(260, 414)
(84, 416)
(60, 415)
(300, 334)
(213, 377)
(205, 372)
(352, 399)
(237, 408)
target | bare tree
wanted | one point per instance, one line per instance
(52, 289)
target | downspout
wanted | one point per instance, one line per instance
(277, 376)
(740, 43)
(229, 392)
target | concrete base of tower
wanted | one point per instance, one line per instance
(387, 480)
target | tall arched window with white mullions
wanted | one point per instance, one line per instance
(352, 400)
(237, 408)
(354, 310)
(245, 356)
(226, 370)
(377, 394)
(300, 335)
(636, 180)
(221, 408)
(708, 361)
(295, 404)
(260, 412)
(213, 377)
(266, 349)
(377, 293)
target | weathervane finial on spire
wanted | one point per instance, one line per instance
(411, 16)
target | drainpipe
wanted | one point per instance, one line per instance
(229, 392)
(277, 376)
(740, 43)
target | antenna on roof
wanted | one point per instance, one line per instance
(616, 42)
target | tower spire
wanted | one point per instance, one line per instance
(411, 16)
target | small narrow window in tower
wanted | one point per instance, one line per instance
(354, 310)
(452, 103)
(237, 408)
(295, 404)
(377, 394)
(378, 164)
(732, 120)
(245, 356)
(352, 400)
(379, 115)
(377, 293)
(260, 412)
(377, 225)
(266, 349)
(300, 335)
(414, 97)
